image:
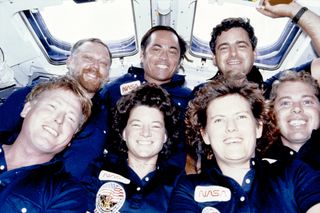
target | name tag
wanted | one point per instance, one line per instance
(110, 176)
(128, 87)
(211, 193)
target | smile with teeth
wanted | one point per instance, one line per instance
(232, 140)
(91, 75)
(51, 131)
(234, 62)
(162, 66)
(144, 142)
(297, 122)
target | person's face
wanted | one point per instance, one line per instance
(297, 112)
(90, 65)
(231, 130)
(145, 133)
(234, 54)
(161, 57)
(51, 120)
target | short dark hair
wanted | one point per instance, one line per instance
(150, 95)
(145, 39)
(229, 23)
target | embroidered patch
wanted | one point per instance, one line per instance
(110, 176)
(110, 198)
(211, 193)
(210, 210)
(126, 88)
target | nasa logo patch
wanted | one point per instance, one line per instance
(210, 210)
(110, 198)
(211, 193)
(126, 88)
(110, 176)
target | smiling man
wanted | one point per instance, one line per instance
(294, 101)
(32, 176)
(89, 63)
(162, 50)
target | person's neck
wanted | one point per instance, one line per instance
(90, 95)
(150, 80)
(17, 155)
(294, 146)
(142, 167)
(235, 171)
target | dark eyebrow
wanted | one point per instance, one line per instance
(159, 45)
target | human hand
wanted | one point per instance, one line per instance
(278, 10)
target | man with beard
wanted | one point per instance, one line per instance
(89, 64)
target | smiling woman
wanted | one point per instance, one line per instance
(144, 137)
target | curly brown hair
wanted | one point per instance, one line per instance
(196, 116)
(150, 95)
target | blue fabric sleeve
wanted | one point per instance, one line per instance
(10, 110)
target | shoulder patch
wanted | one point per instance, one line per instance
(110, 176)
(110, 198)
(126, 88)
(211, 193)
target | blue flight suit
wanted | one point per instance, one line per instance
(266, 188)
(86, 147)
(149, 194)
(267, 84)
(40, 188)
(309, 152)
(179, 93)
(253, 76)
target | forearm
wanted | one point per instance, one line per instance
(309, 22)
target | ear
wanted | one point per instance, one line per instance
(259, 129)
(205, 136)
(214, 61)
(26, 108)
(124, 136)
(255, 54)
(165, 138)
(141, 56)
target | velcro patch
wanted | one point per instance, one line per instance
(211, 193)
(110, 176)
(126, 88)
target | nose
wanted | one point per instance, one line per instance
(296, 107)
(163, 54)
(231, 125)
(233, 51)
(145, 131)
(95, 64)
(59, 118)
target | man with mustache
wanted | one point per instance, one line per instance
(89, 63)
